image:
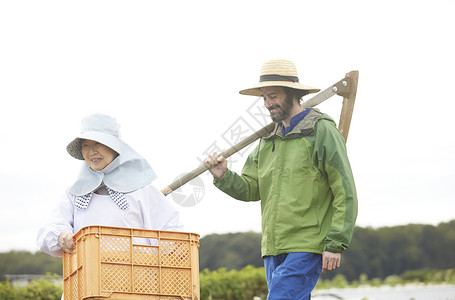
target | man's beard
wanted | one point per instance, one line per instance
(282, 112)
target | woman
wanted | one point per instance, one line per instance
(113, 189)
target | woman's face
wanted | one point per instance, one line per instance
(96, 155)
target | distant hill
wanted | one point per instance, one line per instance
(232, 251)
(23, 262)
(393, 250)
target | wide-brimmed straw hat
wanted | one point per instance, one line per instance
(101, 128)
(278, 73)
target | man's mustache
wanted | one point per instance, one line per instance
(273, 107)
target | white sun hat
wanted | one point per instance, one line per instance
(100, 128)
(129, 171)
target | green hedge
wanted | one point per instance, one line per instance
(233, 285)
(39, 289)
(245, 284)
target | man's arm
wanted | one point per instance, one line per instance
(241, 187)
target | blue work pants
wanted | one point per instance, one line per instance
(292, 276)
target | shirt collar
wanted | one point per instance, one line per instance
(83, 201)
(295, 120)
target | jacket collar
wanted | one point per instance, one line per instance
(304, 127)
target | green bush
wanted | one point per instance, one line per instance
(221, 284)
(39, 289)
(8, 292)
(233, 285)
(450, 276)
(42, 289)
(393, 280)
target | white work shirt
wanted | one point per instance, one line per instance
(148, 209)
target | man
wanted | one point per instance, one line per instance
(301, 174)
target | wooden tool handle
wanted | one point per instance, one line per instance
(346, 87)
(227, 153)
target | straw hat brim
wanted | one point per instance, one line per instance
(255, 90)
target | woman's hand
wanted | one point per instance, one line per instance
(66, 242)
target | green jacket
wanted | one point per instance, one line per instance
(306, 187)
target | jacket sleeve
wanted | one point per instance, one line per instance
(331, 157)
(242, 187)
(61, 220)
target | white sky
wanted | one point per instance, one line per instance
(170, 72)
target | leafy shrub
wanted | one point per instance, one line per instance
(246, 284)
(233, 285)
(42, 289)
(7, 291)
(393, 280)
(38, 289)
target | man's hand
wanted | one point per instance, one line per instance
(65, 240)
(330, 261)
(219, 165)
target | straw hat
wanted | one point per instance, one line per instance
(278, 73)
(101, 128)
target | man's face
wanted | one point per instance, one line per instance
(277, 102)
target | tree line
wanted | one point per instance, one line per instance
(377, 253)
(23, 262)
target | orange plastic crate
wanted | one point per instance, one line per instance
(128, 263)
